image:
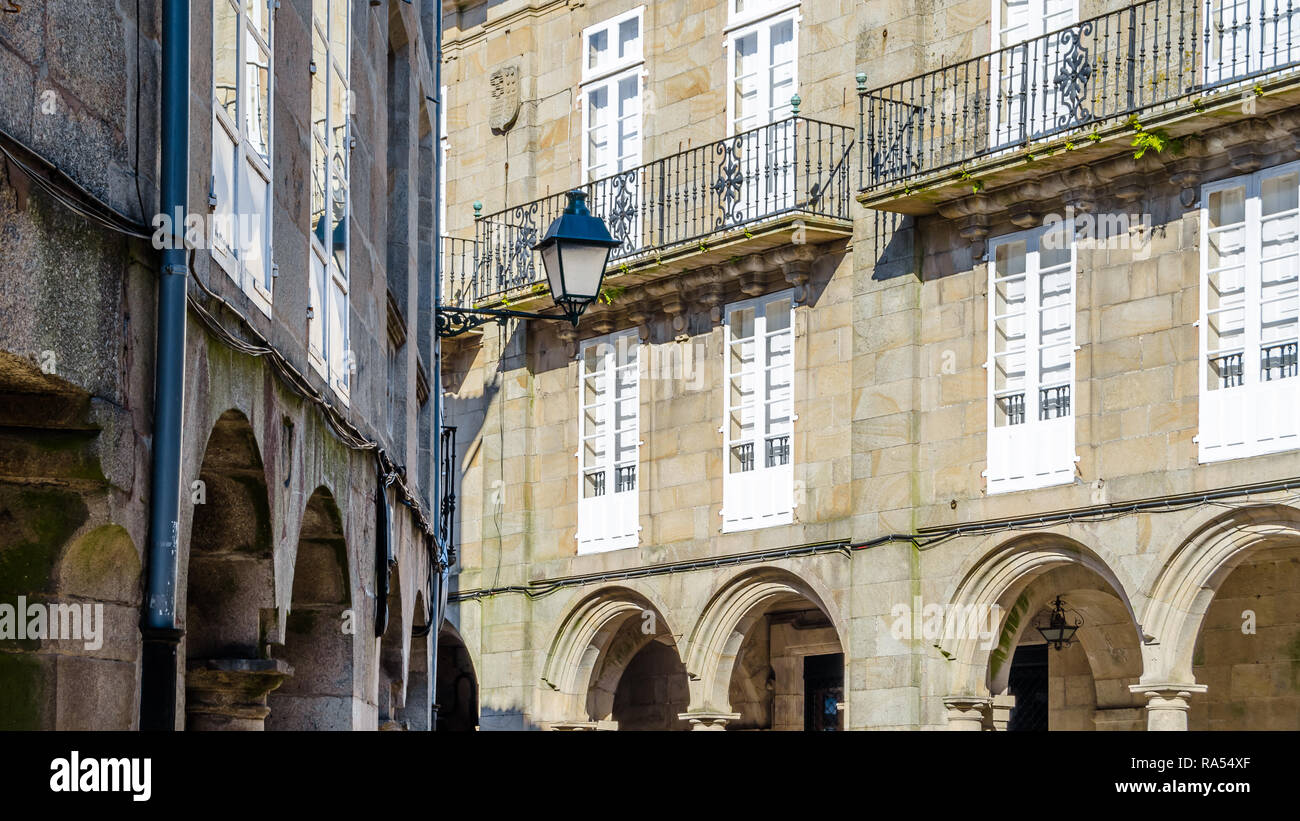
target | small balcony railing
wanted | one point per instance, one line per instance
(796, 166)
(1147, 56)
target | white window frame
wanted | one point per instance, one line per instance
(762, 24)
(1234, 63)
(609, 74)
(1037, 26)
(236, 254)
(755, 10)
(1257, 416)
(1037, 452)
(328, 332)
(762, 496)
(609, 520)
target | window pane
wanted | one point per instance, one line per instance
(259, 18)
(339, 31)
(1279, 193)
(1227, 207)
(778, 315)
(338, 334)
(223, 177)
(597, 45)
(252, 223)
(316, 338)
(225, 57)
(1009, 258)
(628, 32)
(742, 323)
(258, 96)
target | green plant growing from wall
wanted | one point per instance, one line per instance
(1156, 139)
(611, 293)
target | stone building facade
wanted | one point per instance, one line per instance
(309, 351)
(928, 317)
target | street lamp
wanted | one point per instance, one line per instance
(575, 251)
(1058, 631)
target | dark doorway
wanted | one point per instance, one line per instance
(823, 690)
(1028, 683)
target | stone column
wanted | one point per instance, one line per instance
(230, 694)
(1167, 704)
(967, 713)
(705, 720)
(1001, 711)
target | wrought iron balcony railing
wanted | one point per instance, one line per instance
(796, 166)
(1149, 55)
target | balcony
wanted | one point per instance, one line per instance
(783, 183)
(1074, 96)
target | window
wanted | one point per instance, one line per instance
(762, 73)
(330, 143)
(758, 476)
(611, 94)
(1034, 108)
(1249, 313)
(1031, 359)
(609, 443)
(1249, 36)
(241, 145)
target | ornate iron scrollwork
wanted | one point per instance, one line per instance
(518, 263)
(622, 217)
(1073, 76)
(729, 182)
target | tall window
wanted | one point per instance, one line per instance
(613, 59)
(330, 144)
(1250, 308)
(241, 144)
(1023, 105)
(758, 480)
(762, 69)
(1249, 36)
(609, 432)
(1031, 359)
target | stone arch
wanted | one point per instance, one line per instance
(727, 620)
(1002, 577)
(592, 649)
(457, 684)
(416, 708)
(393, 659)
(1181, 588)
(319, 695)
(230, 585)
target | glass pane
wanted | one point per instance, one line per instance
(593, 359)
(742, 324)
(339, 31)
(1227, 207)
(223, 174)
(593, 451)
(778, 315)
(741, 423)
(1009, 259)
(1280, 193)
(598, 157)
(745, 87)
(316, 337)
(597, 45)
(1009, 296)
(259, 18)
(225, 57)
(593, 484)
(1009, 371)
(781, 62)
(257, 89)
(628, 33)
(252, 223)
(338, 329)
(1054, 249)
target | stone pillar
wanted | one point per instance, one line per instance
(705, 720)
(1167, 704)
(1001, 711)
(967, 713)
(230, 694)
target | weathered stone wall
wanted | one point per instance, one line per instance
(74, 488)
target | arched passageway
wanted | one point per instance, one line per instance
(318, 639)
(230, 585)
(767, 656)
(457, 686)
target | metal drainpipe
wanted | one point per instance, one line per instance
(161, 636)
(436, 609)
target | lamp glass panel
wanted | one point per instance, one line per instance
(584, 266)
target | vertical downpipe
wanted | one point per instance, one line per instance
(436, 598)
(161, 637)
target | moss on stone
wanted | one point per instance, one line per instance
(37, 522)
(22, 688)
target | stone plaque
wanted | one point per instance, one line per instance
(505, 98)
